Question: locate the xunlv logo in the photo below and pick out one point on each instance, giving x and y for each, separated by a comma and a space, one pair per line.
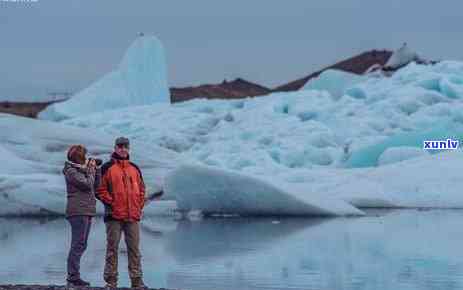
449, 144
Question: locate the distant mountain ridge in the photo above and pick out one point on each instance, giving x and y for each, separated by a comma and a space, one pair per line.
357, 65
241, 88
236, 89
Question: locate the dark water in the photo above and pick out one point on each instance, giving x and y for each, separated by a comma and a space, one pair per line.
386, 250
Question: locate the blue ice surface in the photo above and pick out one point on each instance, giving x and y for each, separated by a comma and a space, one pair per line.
140, 79
368, 156
334, 81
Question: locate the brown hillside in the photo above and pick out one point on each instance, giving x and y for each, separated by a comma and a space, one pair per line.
357, 64
236, 89
30, 110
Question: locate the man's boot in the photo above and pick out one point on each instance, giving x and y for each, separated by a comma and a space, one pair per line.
111, 284
75, 283
137, 283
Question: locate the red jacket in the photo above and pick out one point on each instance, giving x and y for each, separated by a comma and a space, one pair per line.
122, 189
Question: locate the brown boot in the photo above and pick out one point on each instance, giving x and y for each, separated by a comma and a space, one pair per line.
137, 283
111, 284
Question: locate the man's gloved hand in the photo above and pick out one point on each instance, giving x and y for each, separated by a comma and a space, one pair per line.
154, 196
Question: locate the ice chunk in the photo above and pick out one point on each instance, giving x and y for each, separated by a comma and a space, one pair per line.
215, 191
401, 153
369, 155
140, 80
401, 57
451, 87
425, 181
333, 81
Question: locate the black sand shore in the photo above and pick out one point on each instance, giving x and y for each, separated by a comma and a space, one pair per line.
58, 287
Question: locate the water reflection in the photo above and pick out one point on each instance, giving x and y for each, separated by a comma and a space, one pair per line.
216, 238
385, 250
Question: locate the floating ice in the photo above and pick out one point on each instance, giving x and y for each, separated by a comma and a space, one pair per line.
333, 81
214, 191
140, 80
331, 150
297, 130
369, 156
397, 154
402, 56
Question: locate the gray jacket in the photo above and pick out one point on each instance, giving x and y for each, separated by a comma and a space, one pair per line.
81, 185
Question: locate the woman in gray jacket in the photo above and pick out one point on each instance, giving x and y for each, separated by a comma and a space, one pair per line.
82, 177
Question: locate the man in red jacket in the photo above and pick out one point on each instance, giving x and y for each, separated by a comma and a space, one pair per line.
122, 191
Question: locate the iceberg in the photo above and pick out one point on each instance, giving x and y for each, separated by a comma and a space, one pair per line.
414, 182
33, 151
398, 154
430, 180
295, 153
371, 155
140, 79
403, 56
213, 191
335, 82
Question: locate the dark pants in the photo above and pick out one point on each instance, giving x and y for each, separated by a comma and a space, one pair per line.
114, 230
80, 227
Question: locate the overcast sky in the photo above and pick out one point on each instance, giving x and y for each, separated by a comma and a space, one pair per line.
51, 45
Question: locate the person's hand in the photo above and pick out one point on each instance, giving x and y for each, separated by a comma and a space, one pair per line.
91, 167
154, 196
92, 163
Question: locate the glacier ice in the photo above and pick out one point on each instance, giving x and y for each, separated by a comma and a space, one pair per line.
401, 56
335, 82
214, 191
337, 152
401, 153
140, 79
296, 130
370, 155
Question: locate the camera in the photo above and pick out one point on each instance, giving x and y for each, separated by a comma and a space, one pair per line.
98, 161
